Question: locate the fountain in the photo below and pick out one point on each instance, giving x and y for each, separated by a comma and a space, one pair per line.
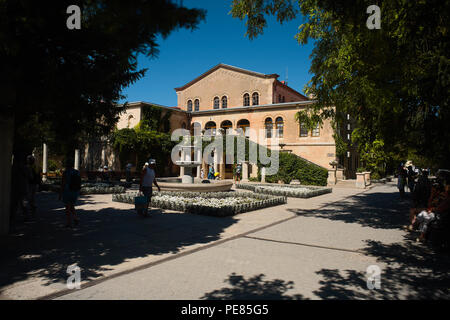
187, 181
187, 164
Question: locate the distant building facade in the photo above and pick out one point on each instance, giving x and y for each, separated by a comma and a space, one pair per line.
228, 97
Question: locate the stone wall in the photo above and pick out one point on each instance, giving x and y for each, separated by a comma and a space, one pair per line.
229, 83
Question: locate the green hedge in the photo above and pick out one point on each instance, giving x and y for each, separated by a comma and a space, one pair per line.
293, 167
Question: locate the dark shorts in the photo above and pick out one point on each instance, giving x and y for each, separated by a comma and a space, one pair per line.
70, 197
147, 191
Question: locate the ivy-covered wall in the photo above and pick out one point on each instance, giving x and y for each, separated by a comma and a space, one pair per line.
149, 139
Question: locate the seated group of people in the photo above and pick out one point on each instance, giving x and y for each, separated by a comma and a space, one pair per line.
431, 206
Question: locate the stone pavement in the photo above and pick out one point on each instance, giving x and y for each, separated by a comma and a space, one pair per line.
316, 248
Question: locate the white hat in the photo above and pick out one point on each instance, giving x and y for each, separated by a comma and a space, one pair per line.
146, 163
152, 161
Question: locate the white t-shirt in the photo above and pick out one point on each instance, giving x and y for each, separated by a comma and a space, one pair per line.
149, 176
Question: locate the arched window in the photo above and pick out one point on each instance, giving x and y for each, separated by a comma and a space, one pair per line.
211, 125
216, 102
268, 125
255, 98
189, 106
129, 120
224, 102
244, 124
196, 105
246, 99
279, 124
226, 125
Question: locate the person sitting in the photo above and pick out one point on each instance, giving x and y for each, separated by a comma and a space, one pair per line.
211, 173
423, 220
438, 205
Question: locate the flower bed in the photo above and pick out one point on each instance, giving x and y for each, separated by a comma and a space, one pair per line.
295, 191
89, 188
217, 204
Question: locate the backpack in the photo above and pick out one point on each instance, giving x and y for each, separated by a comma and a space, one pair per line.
75, 181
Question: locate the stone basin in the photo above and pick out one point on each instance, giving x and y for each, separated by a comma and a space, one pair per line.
175, 184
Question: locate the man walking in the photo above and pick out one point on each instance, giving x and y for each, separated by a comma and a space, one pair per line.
147, 180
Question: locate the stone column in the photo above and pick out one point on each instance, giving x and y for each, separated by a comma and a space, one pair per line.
216, 161
340, 174
77, 159
332, 176
360, 180
6, 141
103, 156
254, 171
245, 171
44, 162
222, 170
199, 159
263, 174
182, 159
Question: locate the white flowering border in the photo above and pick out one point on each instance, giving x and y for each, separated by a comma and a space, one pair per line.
91, 188
294, 191
219, 204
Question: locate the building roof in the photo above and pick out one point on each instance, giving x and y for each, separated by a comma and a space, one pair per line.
226, 66
257, 107
284, 85
141, 103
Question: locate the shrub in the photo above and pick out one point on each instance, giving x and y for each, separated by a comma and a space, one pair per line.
375, 176
293, 167
53, 165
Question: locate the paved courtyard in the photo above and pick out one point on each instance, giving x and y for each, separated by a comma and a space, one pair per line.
317, 248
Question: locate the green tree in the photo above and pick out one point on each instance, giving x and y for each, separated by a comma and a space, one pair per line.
394, 81
70, 81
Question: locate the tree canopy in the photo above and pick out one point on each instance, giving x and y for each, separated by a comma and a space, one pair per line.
60, 83
394, 81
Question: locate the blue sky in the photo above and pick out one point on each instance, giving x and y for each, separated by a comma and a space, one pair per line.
184, 55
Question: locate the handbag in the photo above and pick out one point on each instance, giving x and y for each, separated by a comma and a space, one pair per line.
140, 203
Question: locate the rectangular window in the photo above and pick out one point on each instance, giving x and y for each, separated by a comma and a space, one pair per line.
316, 131
303, 130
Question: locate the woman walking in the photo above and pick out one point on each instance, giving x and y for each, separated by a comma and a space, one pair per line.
70, 190
401, 179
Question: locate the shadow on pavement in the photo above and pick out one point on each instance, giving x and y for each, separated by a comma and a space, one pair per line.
254, 288
105, 237
378, 210
412, 272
